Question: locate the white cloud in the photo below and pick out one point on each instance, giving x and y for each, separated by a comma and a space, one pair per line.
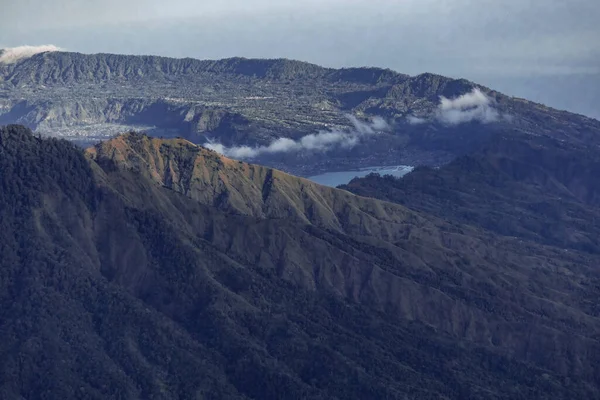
475, 98
473, 106
415, 120
14, 54
321, 141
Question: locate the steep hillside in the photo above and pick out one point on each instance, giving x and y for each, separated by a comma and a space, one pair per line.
536, 188
253, 190
118, 282
265, 193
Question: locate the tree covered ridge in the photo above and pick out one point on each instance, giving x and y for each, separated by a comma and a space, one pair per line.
31, 165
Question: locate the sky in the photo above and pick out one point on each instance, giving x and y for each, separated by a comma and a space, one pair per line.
544, 50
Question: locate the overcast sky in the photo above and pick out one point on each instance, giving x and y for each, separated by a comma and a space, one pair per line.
546, 50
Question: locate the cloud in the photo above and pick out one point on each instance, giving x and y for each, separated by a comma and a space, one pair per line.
14, 54
473, 106
415, 120
321, 141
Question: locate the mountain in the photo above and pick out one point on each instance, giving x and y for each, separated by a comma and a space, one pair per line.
154, 268
535, 188
253, 190
191, 96
250, 102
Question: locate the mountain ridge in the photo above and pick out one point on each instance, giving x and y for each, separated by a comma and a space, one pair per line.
238, 187
252, 102
134, 289
129, 66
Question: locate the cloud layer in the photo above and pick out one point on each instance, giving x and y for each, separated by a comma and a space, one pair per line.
14, 54
321, 141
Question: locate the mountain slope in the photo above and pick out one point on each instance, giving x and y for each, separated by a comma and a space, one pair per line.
248, 102
248, 189
532, 187
115, 286
430, 239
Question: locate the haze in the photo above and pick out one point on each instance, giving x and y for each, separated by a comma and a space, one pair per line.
544, 50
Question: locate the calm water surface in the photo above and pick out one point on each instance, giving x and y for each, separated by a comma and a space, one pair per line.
342, 177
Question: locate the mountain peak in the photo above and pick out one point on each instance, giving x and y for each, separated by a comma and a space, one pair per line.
164, 160
127, 145
242, 188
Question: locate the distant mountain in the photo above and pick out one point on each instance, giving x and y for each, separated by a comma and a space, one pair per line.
61, 68
153, 268
249, 102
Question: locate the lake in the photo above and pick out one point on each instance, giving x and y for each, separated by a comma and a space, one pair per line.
342, 177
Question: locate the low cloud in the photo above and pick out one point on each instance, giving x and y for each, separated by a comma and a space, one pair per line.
472, 106
415, 120
321, 141
12, 55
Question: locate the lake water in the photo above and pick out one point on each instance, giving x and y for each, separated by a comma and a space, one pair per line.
340, 178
